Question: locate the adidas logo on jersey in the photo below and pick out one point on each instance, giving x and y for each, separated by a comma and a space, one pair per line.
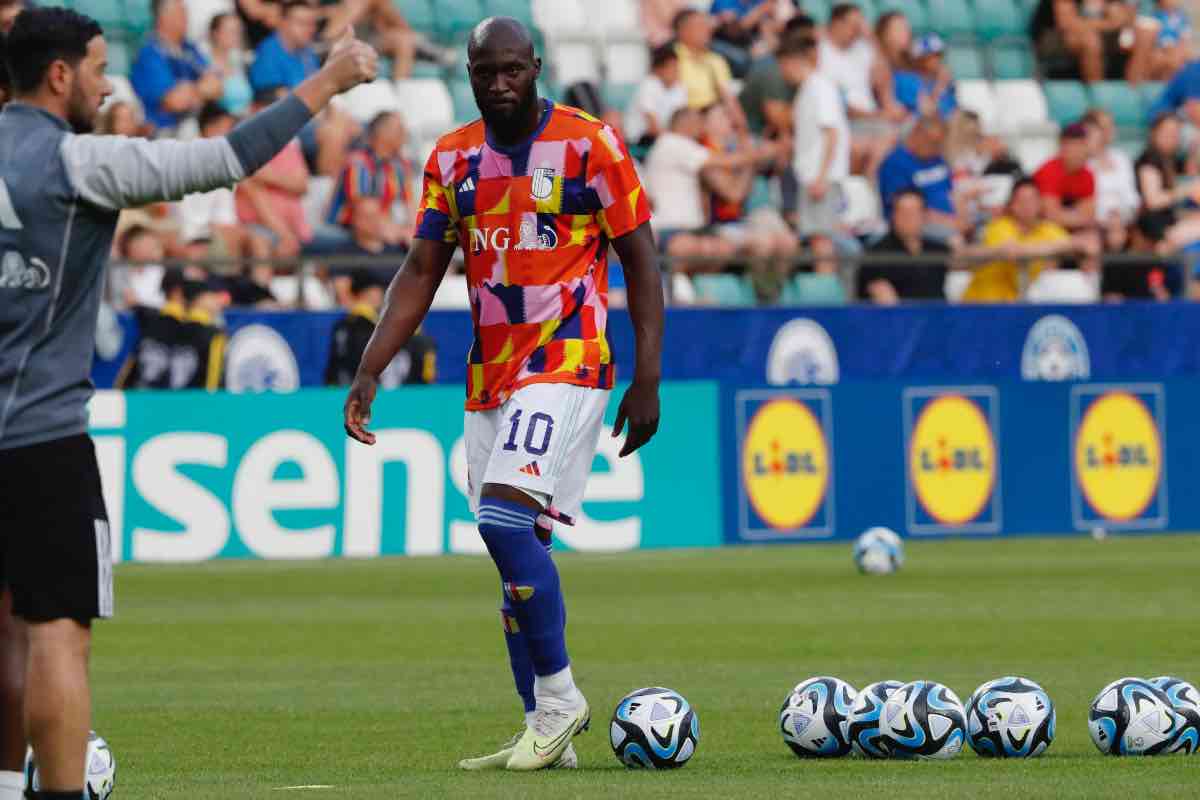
467, 186
532, 469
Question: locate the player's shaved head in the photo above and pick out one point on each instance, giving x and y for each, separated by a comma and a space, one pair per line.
503, 71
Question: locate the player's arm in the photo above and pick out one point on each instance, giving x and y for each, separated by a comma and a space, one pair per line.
643, 281
404, 306
116, 172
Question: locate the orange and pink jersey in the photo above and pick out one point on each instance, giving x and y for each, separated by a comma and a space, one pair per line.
534, 222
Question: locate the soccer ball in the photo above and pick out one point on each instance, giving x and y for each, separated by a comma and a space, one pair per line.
1132, 717
862, 724
1010, 718
100, 775
879, 551
813, 718
924, 720
654, 728
1186, 702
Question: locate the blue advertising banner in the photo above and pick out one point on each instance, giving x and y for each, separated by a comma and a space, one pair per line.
934, 343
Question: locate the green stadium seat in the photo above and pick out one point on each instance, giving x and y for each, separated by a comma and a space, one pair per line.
869, 9
1066, 100
1121, 100
139, 17
1150, 92
109, 13
1012, 61
999, 19
517, 9
424, 69
965, 62
723, 290
817, 9
952, 19
418, 13
465, 109
913, 10
619, 95
456, 18
119, 58
818, 289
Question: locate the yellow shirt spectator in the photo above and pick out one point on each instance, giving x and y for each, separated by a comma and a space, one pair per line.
704, 74
999, 281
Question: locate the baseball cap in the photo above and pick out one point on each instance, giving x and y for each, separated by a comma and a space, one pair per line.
927, 45
1076, 130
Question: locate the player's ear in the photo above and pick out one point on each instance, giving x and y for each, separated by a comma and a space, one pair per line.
537, 68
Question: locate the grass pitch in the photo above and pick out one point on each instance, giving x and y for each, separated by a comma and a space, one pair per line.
232, 680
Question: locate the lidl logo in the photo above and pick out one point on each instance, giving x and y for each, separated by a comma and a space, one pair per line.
785, 464
1118, 456
953, 462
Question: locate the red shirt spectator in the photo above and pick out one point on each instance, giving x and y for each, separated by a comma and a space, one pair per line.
1067, 186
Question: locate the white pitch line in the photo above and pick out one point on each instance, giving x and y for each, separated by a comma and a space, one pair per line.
304, 788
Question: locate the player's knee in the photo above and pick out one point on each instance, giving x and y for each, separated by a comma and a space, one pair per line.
60, 639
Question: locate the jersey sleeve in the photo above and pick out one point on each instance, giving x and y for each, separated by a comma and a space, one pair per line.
437, 216
611, 175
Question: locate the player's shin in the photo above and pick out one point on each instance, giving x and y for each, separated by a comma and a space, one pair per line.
518, 654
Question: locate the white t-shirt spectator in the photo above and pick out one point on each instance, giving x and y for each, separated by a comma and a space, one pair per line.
673, 177
1116, 186
850, 70
197, 213
653, 97
819, 106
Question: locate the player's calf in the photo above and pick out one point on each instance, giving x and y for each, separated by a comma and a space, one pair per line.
58, 705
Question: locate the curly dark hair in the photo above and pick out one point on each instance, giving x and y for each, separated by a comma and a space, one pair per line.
41, 36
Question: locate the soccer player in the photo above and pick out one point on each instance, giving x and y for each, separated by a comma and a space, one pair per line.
60, 193
533, 193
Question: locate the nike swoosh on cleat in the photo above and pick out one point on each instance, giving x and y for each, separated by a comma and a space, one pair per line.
542, 752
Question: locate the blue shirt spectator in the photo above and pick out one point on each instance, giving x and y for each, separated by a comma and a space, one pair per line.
917, 164
1174, 26
1182, 89
739, 7
170, 75
287, 57
928, 82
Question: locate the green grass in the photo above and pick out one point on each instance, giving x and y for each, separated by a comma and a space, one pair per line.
228, 680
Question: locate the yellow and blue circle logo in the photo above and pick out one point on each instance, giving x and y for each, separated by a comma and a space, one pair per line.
952, 461
786, 465
1118, 456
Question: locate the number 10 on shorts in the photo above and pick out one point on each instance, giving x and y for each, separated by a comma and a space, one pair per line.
538, 427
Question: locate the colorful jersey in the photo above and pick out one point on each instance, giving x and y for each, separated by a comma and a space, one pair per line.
366, 175
534, 222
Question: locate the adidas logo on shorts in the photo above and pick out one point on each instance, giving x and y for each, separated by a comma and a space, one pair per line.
532, 469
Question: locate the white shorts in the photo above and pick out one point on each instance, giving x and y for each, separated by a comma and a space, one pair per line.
542, 440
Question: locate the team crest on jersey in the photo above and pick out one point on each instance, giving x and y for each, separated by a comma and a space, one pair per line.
543, 183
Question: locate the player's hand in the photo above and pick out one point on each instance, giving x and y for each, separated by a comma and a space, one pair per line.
357, 411
351, 62
639, 407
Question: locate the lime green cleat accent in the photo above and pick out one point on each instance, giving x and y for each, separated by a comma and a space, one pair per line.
498, 760
548, 737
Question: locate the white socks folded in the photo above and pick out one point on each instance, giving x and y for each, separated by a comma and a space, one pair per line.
12, 786
557, 690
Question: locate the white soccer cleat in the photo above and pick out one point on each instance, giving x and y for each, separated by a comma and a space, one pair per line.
568, 760
547, 738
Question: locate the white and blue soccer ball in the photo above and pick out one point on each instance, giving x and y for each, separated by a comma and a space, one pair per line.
1185, 699
1132, 717
923, 720
100, 770
862, 724
879, 551
654, 728
1010, 718
813, 717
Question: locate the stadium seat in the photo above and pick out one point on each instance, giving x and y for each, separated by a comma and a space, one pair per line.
1120, 100
517, 9
1033, 151
423, 69
1021, 108
574, 61
427, 104
978, 96
615, 20
418, 14
864, 213
561, 19
965, 62
139, 17
1068, 100
365, 101
619, 95
723, 290
913, 10
999, 19
817, 9
456, 18
463, 99
1150, 92
199, 13
626, 62
952, 19
119, 57
819, 289
109, 13
1012, 61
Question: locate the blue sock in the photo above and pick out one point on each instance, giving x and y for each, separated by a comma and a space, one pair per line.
518, 654
529, 579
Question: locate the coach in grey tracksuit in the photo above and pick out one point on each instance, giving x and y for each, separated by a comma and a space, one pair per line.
60, 193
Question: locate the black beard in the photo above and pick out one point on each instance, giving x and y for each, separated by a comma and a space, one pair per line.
507, 125
79, 117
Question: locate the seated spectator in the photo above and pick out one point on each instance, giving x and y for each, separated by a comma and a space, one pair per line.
1166, 182
270, 199
287, 57
969, 154
1162, 44
740, 28
766, 98
703, 72
1086, 31
917, 163
678, 169
379, 172
139, 283
1180, 96
1022, 238
260, 18
1117, 198
226, 50
1067, 185
252, 288
170, 75
928, 88
120, 118
821, 138
658, 19
386, 29
658, 97
893, 44
887, 284
416, 363
181, 346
